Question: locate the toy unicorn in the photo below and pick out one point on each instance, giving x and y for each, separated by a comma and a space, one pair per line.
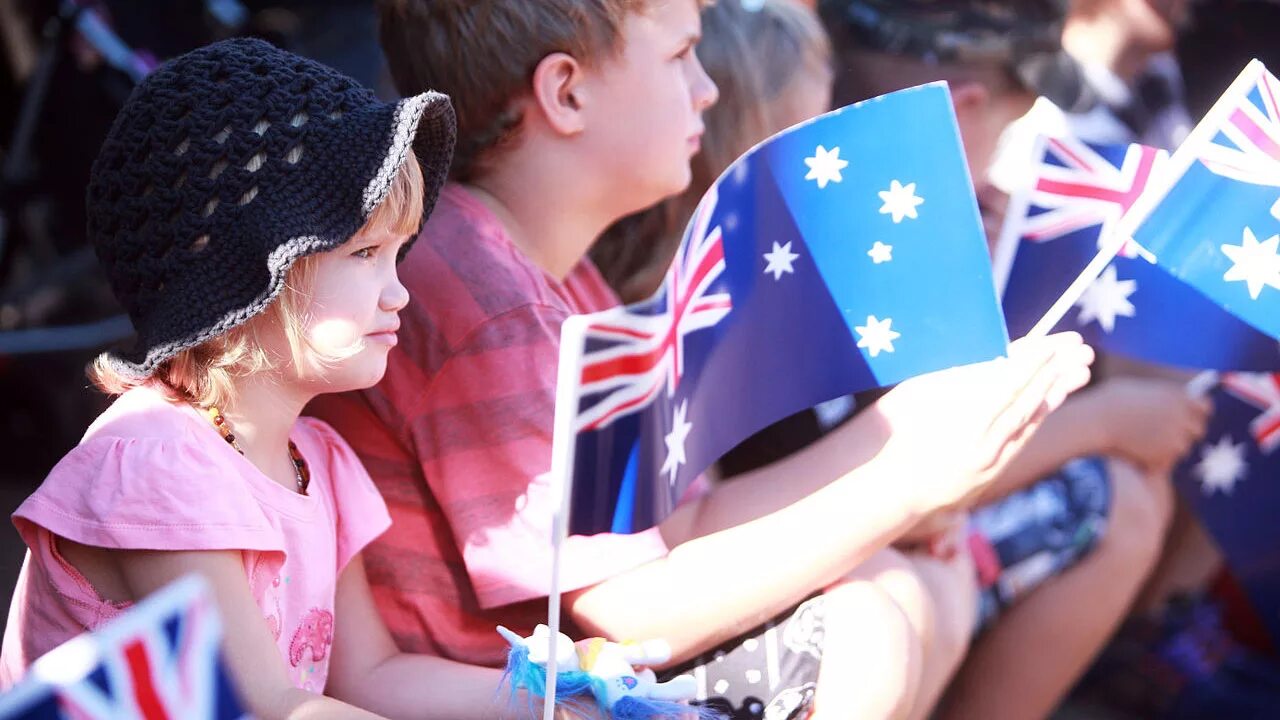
607, 671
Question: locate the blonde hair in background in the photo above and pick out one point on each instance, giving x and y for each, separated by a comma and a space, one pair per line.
205, 375
754, 50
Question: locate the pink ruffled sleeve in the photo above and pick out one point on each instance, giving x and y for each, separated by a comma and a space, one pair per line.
358, 506
149, 493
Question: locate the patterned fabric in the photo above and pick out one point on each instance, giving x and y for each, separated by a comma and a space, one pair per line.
1182, 665
458, 433
1033, 535
770, 673
154, 475
229, 163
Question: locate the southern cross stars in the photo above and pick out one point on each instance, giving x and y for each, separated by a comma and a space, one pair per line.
876, 335
1221, 466
675, 442
1106, 298
1256, 263
825, 166
880, 253
900, 201
780, 261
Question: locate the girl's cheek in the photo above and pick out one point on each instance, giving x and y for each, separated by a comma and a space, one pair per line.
333, 335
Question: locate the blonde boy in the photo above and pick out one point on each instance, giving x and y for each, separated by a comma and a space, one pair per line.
572, 114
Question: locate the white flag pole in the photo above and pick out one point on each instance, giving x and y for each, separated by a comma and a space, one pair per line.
1172, 171
1202, 383
572, 338
1110, 248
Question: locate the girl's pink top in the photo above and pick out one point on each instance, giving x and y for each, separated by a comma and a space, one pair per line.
151, 474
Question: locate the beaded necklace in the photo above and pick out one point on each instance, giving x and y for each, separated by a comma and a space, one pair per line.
302, 476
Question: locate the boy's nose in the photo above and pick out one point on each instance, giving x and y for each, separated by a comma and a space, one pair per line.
705, 92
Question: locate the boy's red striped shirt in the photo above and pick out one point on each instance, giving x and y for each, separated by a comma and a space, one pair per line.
457, 433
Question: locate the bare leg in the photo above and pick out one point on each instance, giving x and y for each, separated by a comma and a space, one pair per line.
954, 590
872, 658
1023, 665
1188, 565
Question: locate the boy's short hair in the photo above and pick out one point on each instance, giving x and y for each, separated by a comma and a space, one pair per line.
482, 54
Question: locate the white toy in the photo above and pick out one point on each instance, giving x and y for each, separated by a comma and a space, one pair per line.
608, 670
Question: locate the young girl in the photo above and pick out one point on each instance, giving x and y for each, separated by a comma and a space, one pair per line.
249, 207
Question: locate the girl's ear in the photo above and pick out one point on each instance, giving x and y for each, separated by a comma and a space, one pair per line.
558, 93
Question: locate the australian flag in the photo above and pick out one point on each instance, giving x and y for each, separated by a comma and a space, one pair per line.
1230, 480
1078, 194
161, 660
841, 255
1214, 219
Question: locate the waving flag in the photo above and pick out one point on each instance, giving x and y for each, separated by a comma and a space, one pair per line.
1231, 481
159, 661
1215, 220
841, 255
1078, 194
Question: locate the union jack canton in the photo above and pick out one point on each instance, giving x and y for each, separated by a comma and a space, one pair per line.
638, 350
161, 660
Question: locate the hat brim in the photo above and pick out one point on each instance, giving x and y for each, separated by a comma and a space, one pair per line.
424, 122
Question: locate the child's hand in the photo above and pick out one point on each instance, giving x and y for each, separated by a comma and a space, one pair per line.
954, 431
1151, 422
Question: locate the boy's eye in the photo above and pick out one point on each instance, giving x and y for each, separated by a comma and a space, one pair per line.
365, 252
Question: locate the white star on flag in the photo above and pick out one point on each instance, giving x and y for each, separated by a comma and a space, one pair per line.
1275, 210
1221, 466
1256, 263
900, 201
675, 442
1107, 298
825, 166
876, 335
880, 253
780, 261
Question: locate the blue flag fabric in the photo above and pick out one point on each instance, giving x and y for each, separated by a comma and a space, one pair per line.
1232, 482
161, 660
1215, 220
841, 255
1054, 225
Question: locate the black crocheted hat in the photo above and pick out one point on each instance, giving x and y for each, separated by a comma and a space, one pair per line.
227, 164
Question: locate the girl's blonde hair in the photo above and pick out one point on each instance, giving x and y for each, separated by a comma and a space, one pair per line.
754, 56
205, 374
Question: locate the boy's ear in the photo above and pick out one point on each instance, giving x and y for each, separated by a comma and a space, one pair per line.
558, 92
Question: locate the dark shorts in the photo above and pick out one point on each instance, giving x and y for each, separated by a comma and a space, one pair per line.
1038, 533
770, 673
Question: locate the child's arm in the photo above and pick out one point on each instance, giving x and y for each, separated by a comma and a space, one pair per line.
253, 658
1150, 422
761, 543
367, 669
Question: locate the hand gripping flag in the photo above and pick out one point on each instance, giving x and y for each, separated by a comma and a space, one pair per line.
161, 660
1230, 480
1214, 221
841, 255
1077, 194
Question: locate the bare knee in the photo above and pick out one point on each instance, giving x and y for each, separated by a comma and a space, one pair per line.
1141, 511
872, 658
897, 576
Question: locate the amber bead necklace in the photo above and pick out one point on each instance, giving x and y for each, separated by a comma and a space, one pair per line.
302, 476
